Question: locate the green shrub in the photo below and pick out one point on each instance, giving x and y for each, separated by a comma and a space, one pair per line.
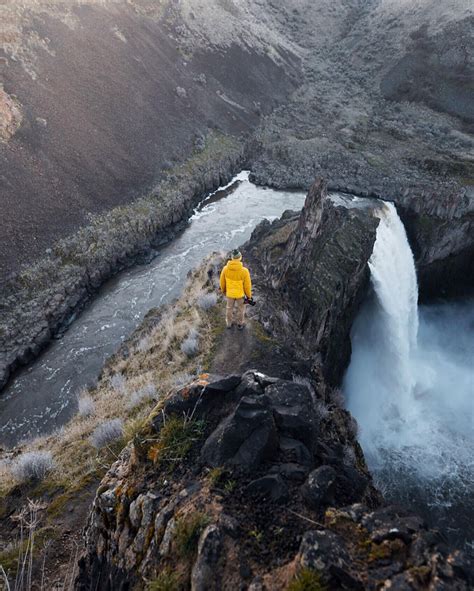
215, 476
307, 580
175, 440
167, 580
188, 530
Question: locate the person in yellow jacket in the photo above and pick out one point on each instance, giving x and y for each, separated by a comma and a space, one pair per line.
235, 285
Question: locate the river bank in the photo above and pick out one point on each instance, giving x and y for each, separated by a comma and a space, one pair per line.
41, 301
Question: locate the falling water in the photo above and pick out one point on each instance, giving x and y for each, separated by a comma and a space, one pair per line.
410, 386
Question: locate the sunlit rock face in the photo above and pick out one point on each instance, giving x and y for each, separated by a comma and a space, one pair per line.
10, 116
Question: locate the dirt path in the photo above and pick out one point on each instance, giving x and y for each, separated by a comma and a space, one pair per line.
254, 348
235, 350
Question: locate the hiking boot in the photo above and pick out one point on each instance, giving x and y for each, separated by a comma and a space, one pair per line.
240, 326
229, 326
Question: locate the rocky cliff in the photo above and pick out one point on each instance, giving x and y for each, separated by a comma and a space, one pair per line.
248, 481
251, 482
245, 473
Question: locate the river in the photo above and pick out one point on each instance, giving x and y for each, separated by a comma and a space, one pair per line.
43, 396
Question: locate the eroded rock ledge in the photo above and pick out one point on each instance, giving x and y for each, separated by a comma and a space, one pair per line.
273, 486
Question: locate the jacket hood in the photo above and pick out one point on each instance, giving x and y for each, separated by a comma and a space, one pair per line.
234, 264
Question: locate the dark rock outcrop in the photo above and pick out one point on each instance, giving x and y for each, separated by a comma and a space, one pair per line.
319, 487
246, 438
251, 521
437, 211
313, 274
440, 229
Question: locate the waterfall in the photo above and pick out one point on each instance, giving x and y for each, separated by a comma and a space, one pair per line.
381, 380
393, 276
410, 383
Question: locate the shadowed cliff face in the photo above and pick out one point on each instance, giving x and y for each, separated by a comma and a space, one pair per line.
437, 70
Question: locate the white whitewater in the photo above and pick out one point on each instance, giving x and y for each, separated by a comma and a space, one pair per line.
410, 383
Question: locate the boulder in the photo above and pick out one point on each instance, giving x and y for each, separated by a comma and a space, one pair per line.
270, 487
352, 483
249, 385
392, 522
293, 410
325, 552
205, 574
222, 385
296, 451
246, 438
291, 471
319, 487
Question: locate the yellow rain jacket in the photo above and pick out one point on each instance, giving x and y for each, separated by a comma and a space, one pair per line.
235, 280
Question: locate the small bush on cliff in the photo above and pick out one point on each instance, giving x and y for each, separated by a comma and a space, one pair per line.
307, 580
144, 394
107, 433
34, 465
86, 405
175, 440
188, 530
144, 344
190, 346
207, 301
118, 383
167, 580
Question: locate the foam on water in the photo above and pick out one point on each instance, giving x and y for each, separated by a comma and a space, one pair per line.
410, 384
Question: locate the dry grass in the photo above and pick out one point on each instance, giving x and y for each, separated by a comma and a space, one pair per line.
129, 387
33, 466
188, 530
86, 405
175, 440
